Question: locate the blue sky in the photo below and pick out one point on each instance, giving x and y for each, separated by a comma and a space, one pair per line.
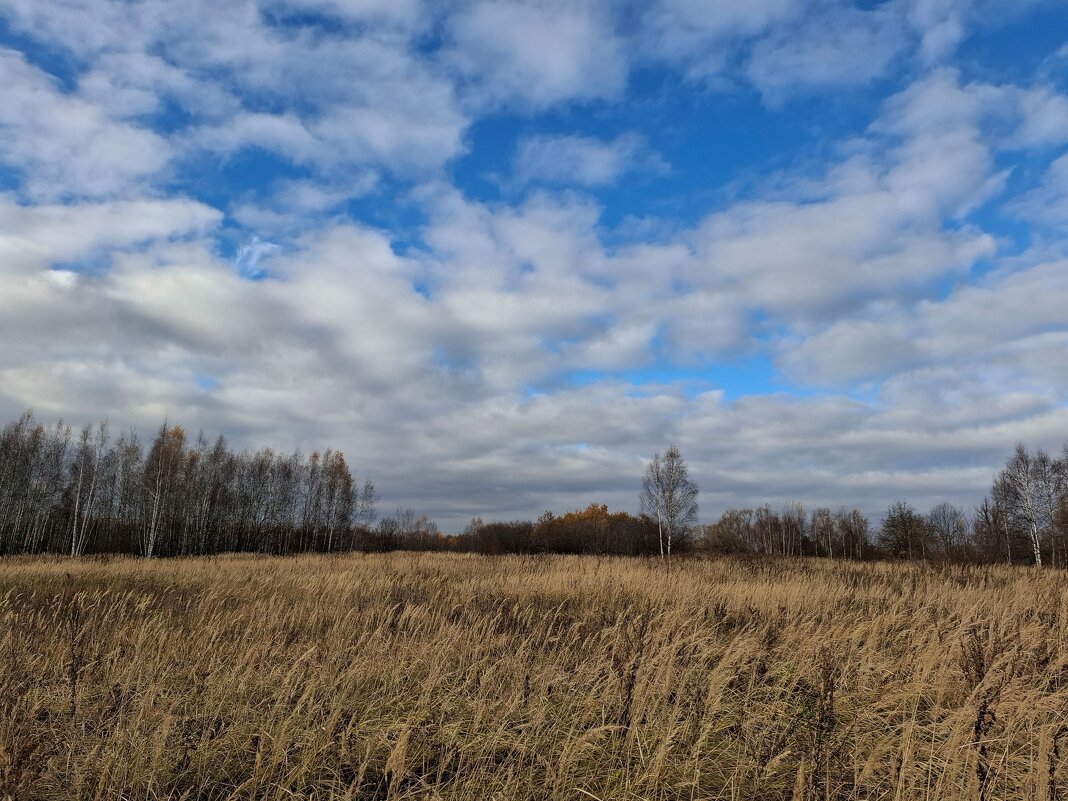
501, 251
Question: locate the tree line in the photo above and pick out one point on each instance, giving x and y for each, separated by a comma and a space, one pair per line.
1022, 520
92, 492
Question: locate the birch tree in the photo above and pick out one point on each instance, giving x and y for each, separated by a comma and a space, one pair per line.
87, 468
1020, 483
669, 497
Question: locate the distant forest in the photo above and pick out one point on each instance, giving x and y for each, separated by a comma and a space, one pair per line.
90, 493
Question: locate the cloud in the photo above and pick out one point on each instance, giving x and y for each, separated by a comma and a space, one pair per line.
401, 16
66, 146
64, 232
1043, 117
1013, 318
360, 96
782, 47
1047, 203
786, 48
250, 254
287, 207
702, 37
841, 49
536, 53
944, 24
583, 160
850, 351
941, 24
872, 228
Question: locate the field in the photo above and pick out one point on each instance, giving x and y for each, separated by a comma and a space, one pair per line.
464, 677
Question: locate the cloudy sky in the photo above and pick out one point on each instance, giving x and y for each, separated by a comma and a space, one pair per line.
501, 251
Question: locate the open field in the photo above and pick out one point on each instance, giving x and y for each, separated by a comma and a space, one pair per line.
465, 677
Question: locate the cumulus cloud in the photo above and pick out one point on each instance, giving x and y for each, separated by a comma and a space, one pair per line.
66, 146
362, 96
535, 53
1047, 203
703, 38
943, 24
789, 47
583, 160
842, 49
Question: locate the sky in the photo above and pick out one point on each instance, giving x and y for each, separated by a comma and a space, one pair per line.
500, 252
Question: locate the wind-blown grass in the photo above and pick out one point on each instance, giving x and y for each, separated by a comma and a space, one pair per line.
465, 677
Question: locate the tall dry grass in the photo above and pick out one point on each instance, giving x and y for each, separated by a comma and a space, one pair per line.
465, 677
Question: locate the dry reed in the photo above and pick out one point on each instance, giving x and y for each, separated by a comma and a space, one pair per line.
463, 677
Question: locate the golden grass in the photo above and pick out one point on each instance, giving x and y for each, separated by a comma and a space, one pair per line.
467, 677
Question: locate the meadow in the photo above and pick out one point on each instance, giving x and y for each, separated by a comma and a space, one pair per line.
446, 676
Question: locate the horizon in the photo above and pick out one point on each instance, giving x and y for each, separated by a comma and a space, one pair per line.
500, 253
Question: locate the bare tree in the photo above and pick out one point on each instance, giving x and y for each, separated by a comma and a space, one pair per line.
1050, 474
669, 497
904, 532
1020, 483
768, 529
793, 528
822, 529
949, 527
852, 527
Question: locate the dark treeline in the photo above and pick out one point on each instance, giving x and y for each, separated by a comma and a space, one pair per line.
593, 530
1023, 520
89, 492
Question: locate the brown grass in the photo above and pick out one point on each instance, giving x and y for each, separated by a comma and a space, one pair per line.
465, 677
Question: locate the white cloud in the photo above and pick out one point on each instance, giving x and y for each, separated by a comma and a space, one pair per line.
872, 228
583, 160
50, 233
404, 16
943, 24
64, 145
1044, 118
536, 53
362, 97
1047, 203
1011, 318
291, 205
702, 36
844, 48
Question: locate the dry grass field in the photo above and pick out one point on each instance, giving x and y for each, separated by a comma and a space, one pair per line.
464, 677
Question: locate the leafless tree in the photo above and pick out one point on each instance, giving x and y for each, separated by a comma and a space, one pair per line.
768, 529
852, 528
949, 527
793, 528
1020, 484
822, 530
669, 497
1052, 483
